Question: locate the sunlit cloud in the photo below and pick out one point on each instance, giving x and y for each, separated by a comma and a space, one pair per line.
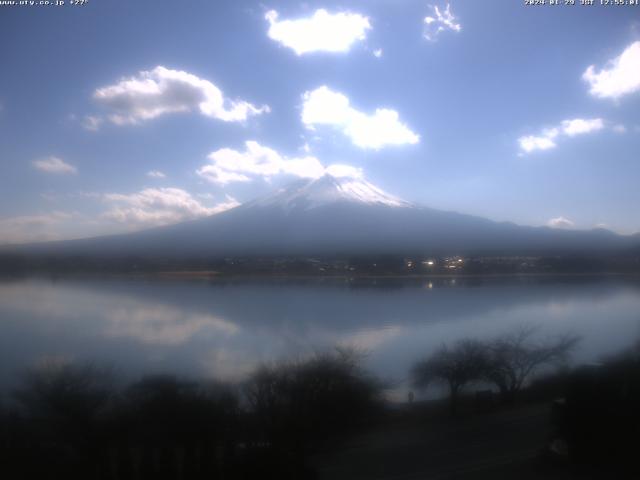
228, 165
321, 32
377, 53
568, 128
323, 106
580, 126
440, 21
259, 162
159, 206
156, 174
54, 165
560, 222
530, 143
160, 91
621, 75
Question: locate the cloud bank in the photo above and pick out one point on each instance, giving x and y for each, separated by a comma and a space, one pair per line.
228, 165
257, 161
159, 206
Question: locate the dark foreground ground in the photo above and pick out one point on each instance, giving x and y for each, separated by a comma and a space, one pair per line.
318, 418
415, 443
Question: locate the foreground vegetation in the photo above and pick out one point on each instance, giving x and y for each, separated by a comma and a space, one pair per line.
77, 421
74, 422
506, 362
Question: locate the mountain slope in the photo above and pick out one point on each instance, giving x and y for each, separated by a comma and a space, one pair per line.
329, 216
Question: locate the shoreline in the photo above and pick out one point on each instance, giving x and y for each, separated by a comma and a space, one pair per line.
219, 276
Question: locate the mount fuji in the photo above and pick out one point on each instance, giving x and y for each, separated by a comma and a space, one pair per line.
334, 215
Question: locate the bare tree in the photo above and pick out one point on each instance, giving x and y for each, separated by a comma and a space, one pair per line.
65, 391
312, 399
514, 357
455, 367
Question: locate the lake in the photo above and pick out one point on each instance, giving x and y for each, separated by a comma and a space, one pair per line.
224, 329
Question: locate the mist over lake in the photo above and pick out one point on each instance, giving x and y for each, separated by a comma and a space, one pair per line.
225, 329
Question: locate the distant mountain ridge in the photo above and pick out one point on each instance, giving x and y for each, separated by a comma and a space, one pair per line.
339, 216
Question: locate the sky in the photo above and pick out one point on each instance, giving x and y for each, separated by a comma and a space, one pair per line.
117, 116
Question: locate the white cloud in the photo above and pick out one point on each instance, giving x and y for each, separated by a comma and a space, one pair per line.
323, 106
440, 21
161, 90
530, 143
620, 77
568, 128
54, 165
146, 208
340, 170
257, 161
377, 53
159, 206
32, 228
322, 32
156, 174
619, 128
92, 123
579, 126
560, 222
228, 165
220, 176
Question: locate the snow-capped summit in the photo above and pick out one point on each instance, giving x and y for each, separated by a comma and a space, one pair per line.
329, 189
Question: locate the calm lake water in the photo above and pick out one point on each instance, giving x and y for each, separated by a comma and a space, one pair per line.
225, 329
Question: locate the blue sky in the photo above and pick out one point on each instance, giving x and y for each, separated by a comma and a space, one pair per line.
119, 115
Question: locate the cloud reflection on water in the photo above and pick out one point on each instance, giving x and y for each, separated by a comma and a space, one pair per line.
225, 330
